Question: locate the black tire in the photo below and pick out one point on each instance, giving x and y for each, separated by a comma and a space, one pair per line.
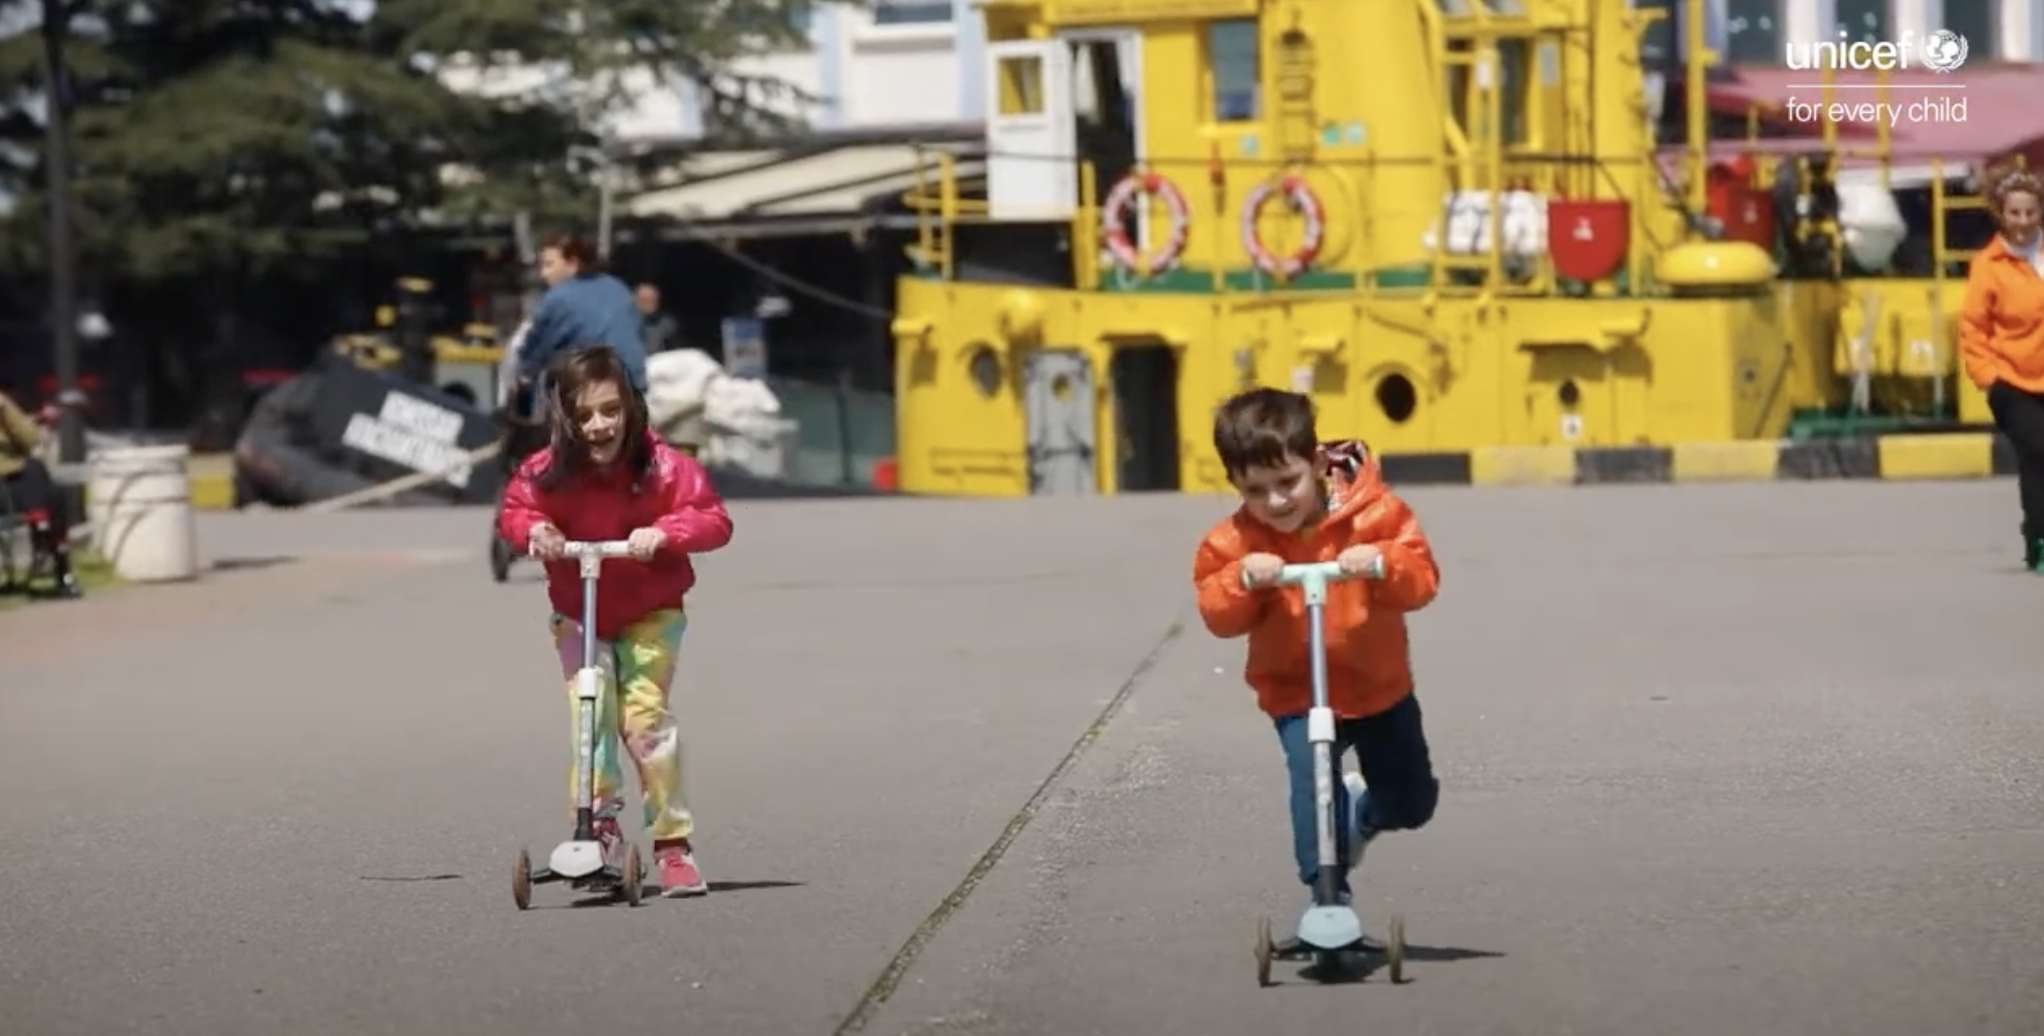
500, 559
633, 887
521, 881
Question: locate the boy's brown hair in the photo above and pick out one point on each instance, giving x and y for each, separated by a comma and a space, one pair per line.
1263, 428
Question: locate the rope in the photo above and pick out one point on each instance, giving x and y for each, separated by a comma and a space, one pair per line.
794, 284
403, 484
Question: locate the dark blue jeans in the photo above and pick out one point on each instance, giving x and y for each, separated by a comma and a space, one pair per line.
1391, 753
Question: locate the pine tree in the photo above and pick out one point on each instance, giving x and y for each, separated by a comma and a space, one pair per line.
214, 135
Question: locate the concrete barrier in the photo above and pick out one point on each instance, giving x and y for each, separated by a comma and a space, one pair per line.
1957, 455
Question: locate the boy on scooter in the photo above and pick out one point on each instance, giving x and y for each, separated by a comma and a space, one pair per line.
1305, 501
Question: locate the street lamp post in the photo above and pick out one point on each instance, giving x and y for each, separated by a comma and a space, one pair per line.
63, 301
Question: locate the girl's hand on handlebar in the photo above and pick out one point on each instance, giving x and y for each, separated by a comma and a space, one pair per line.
1359, 560
1262, 569
645, 543
547, 543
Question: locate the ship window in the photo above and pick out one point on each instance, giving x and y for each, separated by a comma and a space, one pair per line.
1864, 20
1980, 23
1737, 32
911, 12
1515, 67
1657, 44
1753, 31
1666, 42
1021, 85
1233, 54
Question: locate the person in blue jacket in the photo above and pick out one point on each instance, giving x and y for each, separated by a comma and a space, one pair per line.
583, 305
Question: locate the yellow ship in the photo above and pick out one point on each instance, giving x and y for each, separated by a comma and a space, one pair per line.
1447, 220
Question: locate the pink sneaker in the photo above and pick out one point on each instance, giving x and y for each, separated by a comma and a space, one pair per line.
679, 875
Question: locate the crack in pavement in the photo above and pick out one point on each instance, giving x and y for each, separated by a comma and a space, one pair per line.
904, 958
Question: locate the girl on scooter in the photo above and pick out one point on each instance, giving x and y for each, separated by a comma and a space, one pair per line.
606, 476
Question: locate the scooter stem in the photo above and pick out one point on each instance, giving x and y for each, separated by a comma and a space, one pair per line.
589, 559
587, 681
1320, 728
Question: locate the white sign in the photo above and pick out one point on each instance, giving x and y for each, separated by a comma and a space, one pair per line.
414, 433
745, 351
1940, 51
1571, 427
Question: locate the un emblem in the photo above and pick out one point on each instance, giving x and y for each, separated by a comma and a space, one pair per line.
1944, 51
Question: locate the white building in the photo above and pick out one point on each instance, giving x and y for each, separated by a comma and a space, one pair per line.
890, 64
889, 80
894, 63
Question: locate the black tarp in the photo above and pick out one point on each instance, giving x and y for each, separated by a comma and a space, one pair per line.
339, 428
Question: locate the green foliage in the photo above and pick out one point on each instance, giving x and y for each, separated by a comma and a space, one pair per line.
236, 135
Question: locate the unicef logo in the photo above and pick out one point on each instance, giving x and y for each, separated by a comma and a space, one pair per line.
1944, 51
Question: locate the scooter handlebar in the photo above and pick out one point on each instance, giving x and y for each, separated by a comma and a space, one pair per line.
1317, 573
590, 555
596, 549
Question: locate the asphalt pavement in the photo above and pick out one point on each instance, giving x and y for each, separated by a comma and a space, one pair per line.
1758, 758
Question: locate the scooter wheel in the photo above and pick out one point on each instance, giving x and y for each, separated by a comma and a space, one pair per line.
521, 881
500, 559
1264, 951
632, 883
1394, 949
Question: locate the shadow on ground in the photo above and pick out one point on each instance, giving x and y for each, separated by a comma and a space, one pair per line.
1361, 969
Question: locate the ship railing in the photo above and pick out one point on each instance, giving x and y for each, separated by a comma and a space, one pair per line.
1490, 233
939, 202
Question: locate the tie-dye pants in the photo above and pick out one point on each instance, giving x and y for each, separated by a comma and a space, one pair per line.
631, 709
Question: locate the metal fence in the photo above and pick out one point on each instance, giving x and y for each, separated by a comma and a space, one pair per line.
843, 432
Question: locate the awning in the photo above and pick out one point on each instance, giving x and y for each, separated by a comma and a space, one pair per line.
800, 192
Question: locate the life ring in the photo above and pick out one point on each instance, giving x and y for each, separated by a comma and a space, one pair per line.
1123, 201
1296, 191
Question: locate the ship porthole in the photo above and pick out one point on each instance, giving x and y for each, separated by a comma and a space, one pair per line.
985, 369
1397, 397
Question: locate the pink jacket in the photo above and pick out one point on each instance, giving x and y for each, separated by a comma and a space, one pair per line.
676, 497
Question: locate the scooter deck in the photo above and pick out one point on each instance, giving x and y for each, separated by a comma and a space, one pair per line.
607, 878
1296, 951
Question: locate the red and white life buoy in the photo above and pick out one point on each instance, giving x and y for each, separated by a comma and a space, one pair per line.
1124, 202
1300, 196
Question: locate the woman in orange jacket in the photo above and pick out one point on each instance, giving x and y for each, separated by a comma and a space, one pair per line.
2001, 337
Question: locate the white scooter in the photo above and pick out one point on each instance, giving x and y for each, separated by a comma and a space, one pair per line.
1330, 930
579, 860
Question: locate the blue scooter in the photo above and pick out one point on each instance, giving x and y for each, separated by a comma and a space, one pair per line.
1329, 931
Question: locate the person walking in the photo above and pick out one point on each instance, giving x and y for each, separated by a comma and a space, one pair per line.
2001, 339
583, 306
663, 332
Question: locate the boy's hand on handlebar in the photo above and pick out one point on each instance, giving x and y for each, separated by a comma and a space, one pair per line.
1262, 570
547, 543
645, 543
1360, 560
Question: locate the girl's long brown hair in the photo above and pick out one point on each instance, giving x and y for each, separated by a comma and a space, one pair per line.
567, 376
